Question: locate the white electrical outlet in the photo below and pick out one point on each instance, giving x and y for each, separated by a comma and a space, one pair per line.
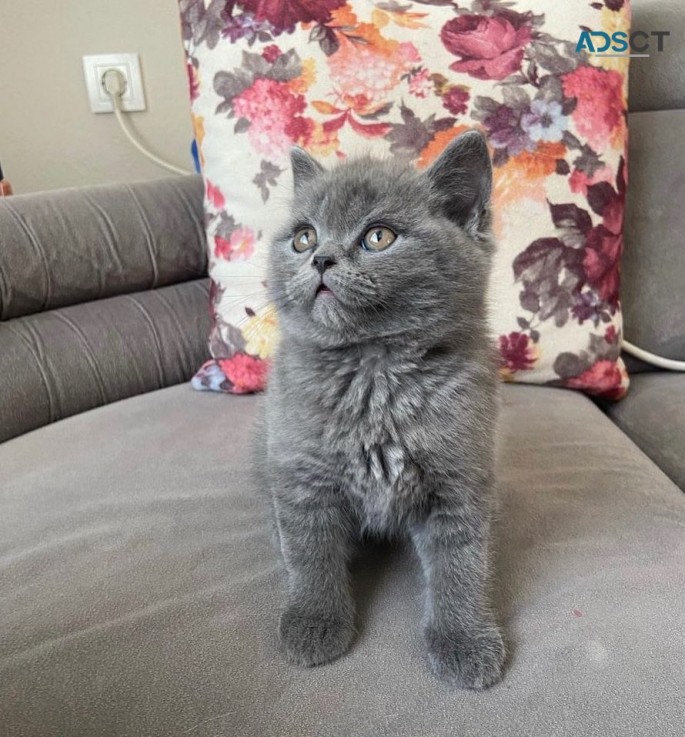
95, 65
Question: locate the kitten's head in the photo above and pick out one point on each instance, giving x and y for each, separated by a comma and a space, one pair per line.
378, 250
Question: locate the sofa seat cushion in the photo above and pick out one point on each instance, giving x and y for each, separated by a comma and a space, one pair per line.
140, 594
654, 418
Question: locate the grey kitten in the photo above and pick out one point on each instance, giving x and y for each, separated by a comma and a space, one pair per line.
381, 405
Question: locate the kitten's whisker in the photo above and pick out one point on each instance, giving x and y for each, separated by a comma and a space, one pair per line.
235, 298
261, 310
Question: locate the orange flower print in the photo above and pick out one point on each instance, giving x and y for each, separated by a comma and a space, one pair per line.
322, 141
367, 69
523, 176
437, 145
198, 123
365, 75
400, 15
539, 163
301, 84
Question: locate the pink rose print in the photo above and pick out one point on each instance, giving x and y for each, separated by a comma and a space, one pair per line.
604, 242
239, 245
193, 81
246, 373
517, 351
456, 100
283, 16
271, 53
420, 84
273, 111
599, 108
215, 196
602, 252
579, 181
602, 378
489, 47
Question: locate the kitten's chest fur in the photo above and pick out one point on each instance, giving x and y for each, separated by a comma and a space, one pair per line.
364, 418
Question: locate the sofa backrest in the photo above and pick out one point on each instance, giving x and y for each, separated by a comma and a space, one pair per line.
653, 266
103, 295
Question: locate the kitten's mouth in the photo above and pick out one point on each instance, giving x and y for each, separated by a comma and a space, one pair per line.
323, 289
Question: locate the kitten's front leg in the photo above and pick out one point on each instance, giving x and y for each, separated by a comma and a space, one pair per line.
317, 625
464, 644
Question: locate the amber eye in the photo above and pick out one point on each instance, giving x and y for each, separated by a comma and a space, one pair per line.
304, 239
377, 238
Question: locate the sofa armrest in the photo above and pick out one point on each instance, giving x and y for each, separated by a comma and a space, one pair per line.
62, 362
103, 295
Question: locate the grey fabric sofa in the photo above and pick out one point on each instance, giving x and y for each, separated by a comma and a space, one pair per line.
138, 589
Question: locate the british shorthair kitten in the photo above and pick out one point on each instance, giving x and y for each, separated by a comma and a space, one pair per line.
381, 406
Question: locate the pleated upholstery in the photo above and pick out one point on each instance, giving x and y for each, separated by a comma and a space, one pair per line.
58, 363
103, 295
76, 245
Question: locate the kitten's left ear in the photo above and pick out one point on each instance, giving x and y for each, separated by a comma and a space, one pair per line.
462, 178
304, 167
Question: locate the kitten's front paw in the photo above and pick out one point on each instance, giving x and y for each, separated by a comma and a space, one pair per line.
465, 661
309, 640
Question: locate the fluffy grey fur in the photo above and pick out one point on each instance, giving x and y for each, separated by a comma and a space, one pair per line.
381, 406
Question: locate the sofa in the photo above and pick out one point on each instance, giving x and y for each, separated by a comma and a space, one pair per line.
139, 592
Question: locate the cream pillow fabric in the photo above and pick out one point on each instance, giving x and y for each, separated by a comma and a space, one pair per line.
402, 79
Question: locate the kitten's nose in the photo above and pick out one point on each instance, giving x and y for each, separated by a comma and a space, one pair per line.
321, 263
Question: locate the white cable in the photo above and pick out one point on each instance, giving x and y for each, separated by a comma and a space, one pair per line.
665, 363
114, 82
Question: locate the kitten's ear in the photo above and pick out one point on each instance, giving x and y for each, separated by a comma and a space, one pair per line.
462, 178
304, 167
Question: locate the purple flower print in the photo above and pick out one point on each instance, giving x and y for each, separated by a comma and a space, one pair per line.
506, 132
544, 121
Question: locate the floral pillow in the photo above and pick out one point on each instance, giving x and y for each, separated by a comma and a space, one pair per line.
339, 77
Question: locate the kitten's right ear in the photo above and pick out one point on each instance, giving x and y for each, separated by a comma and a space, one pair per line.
304, 167
462, 178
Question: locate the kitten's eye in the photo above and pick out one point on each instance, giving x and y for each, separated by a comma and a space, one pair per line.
304, 239
377, 238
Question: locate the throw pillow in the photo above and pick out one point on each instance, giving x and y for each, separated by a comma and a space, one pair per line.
403, 78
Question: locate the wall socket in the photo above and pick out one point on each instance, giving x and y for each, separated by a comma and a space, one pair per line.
95, 65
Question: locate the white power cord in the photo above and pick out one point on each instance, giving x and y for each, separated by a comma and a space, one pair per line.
665, 363
114, 84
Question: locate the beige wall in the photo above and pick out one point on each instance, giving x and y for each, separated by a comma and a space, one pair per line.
48, 136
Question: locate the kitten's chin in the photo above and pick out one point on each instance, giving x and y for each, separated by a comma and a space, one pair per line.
327, 309
322, 320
